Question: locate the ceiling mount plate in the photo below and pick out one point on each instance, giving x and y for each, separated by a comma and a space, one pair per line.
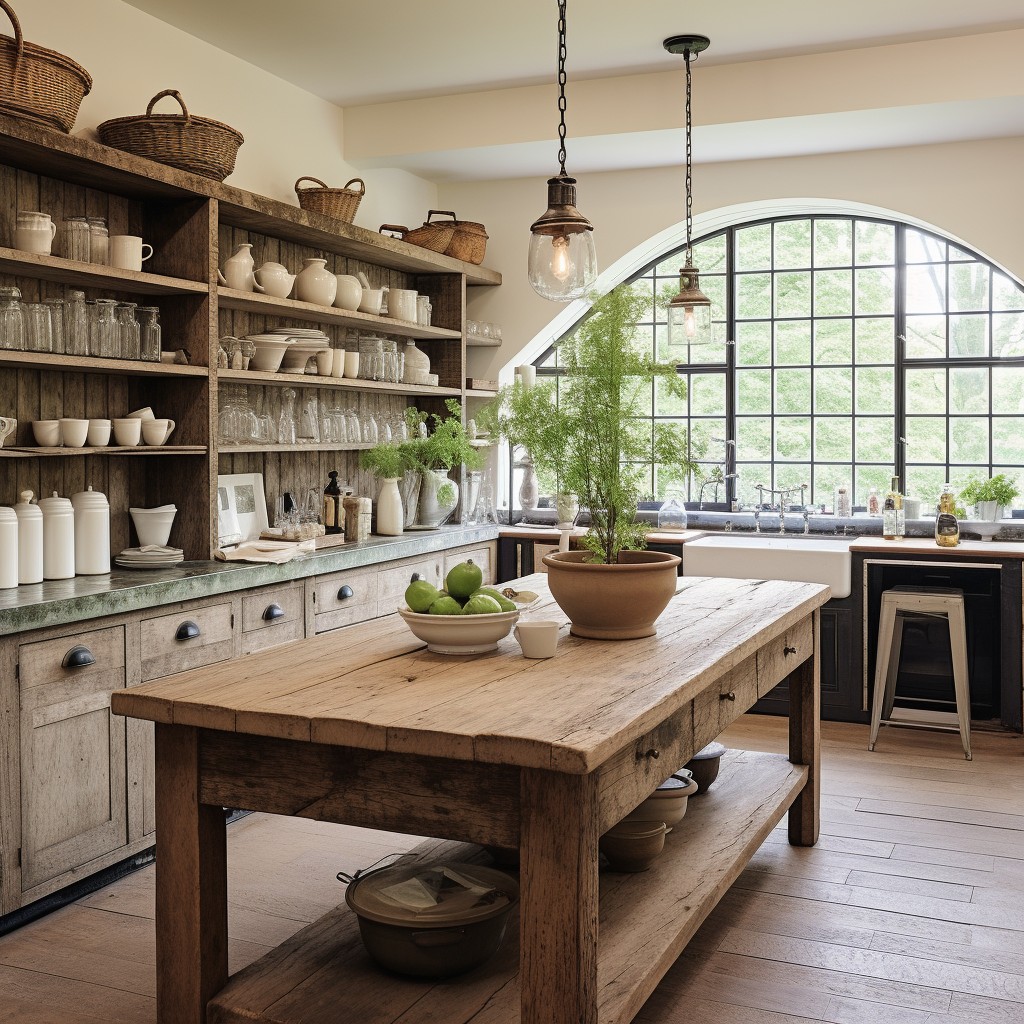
691, 44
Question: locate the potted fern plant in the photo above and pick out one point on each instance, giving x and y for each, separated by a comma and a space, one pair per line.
990, 497
595, 436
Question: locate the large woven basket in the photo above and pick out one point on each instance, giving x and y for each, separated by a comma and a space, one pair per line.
37, 84
339, 203
197, 144
461, 239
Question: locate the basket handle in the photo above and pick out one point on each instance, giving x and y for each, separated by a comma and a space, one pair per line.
305, 177
19, 39
160, 96
400, 228
353, 181
440, 213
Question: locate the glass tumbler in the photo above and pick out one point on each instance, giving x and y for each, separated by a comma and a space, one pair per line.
104, 335
56, 308
149, 333
99, 240
74, 239
38, 335
76, 325
12, 319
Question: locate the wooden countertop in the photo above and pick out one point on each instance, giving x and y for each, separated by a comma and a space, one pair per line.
927, 546
549, 535
375, 686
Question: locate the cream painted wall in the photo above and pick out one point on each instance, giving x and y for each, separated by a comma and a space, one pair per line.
968, 190
288, 132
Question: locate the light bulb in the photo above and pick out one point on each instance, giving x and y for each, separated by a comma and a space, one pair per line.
691, 323
561, 261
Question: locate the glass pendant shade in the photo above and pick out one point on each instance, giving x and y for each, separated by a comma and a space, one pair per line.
689, 312
562, 263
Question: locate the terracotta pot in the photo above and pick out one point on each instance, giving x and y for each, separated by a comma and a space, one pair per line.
612, 602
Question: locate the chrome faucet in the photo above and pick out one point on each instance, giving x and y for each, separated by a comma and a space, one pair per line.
782, 522
757, 519
807, 521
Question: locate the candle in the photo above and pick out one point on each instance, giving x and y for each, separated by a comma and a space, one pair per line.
527, 374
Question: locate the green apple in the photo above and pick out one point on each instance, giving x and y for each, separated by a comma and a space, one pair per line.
445, 605
420, 595
463, 579
481, 605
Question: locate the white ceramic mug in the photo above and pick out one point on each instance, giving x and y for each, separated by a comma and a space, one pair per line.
402, 304
351, 364
34, 232
145, 413
74, 432
538, 638
127, 431
99, 433
46, 433
324, 362
155, 432
126, 252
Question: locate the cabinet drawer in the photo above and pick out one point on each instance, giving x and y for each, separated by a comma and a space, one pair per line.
187, 639
721, 704
272, 616
481, 556
43, 662
393, 582
776, 660
343, 598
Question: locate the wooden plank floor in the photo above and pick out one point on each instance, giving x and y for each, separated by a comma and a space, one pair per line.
909, 910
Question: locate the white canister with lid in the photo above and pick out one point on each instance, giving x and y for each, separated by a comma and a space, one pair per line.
8, 548
58, 538
30, 539
92, 532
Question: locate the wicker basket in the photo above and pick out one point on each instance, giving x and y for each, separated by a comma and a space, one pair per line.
197, 144
339, 203
39, 85
461, 239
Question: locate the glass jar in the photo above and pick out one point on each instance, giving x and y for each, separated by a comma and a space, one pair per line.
389, 361
149, 333
128, 341
38, 336
76, 325
99, 240
57, 340
12, 319
74, 239
104, 335
371, 357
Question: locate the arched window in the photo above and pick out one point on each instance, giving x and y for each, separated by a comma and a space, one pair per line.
849, 348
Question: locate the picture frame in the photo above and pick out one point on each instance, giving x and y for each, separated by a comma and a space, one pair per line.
241, 508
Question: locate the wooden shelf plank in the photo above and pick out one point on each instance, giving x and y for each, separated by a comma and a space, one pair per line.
93, 364
166, 449
645, 921
93, 275
248, 449
475, 341
479, 393
310, 312
311, 380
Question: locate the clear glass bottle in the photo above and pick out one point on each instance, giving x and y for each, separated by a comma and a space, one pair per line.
103, 329
893, 524
947, 529
150, 333
128, 337
57, 340
873, 508
287, 426
12, 319
76, 325
75, 239
99, 240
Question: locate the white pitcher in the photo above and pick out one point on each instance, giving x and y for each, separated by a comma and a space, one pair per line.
237, 271
316, 283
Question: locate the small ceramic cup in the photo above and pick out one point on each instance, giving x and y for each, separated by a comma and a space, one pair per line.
155, 432
324, 362
74, 432
128, 431
351, 364
538, 638
46, 433
99, 433
141, 414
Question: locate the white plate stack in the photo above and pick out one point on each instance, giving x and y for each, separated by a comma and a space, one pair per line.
149, 556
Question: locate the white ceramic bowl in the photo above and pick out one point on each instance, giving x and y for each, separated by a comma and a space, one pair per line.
297, 354
269, 353
460, 634
153, 525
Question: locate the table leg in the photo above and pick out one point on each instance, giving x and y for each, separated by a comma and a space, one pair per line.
191, 884
805, 743
558, 898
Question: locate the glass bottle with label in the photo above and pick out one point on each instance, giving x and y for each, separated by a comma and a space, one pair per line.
334, 516
947, 529
893, 524
873, 502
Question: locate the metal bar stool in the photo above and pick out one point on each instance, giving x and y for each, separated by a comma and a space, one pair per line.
947, 603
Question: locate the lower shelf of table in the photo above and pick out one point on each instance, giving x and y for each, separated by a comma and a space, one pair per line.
646, 920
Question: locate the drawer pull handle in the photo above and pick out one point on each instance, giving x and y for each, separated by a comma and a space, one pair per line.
648, 755
345, 593
79, 657
272, 612
731, 695
188, 630
789, 650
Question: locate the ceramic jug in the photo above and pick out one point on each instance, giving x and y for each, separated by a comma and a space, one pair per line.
316, 283
237, 271
274, 279
34, 232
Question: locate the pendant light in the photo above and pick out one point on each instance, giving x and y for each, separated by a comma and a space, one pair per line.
563, 259
689, 312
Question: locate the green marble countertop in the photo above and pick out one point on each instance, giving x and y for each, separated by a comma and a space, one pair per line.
58, 602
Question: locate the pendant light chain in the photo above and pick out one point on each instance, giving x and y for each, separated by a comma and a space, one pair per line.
561, 85
689, 163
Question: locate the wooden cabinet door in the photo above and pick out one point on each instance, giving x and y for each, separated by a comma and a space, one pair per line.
73, 790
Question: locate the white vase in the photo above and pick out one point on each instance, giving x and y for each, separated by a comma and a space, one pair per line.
989, 511
438, 497
568, 507
390, 516
315, 283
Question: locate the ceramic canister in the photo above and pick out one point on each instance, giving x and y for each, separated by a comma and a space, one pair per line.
8, 548
58, 538
92, 532
30, 539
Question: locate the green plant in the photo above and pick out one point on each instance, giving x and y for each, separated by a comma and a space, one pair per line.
590, 430
385, 460
999, 488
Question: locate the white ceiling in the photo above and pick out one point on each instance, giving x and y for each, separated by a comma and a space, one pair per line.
354, 54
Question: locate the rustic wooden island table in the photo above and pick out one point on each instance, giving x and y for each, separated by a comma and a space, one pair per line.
365, 726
